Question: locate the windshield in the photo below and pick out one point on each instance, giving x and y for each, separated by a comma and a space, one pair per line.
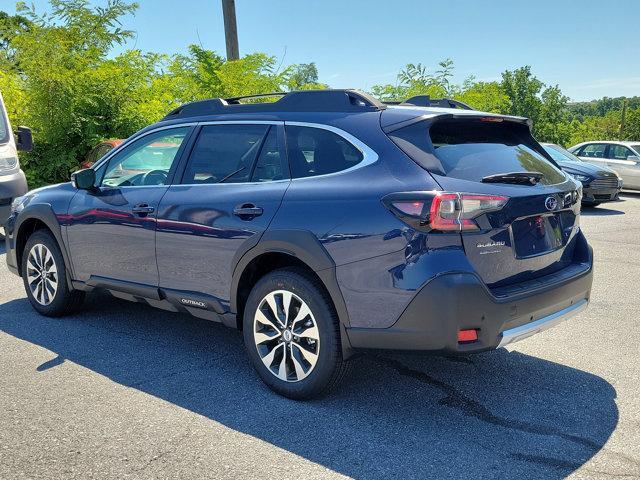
4, 129
559, 154
636, 147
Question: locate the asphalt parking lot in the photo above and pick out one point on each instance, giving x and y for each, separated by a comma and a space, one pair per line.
125, 391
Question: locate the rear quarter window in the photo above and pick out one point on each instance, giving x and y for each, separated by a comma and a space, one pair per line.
473, 149
314, 151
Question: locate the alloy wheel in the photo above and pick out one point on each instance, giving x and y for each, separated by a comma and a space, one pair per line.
286, 335
42, 274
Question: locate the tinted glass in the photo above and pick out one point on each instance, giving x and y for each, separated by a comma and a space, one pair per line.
559, 154
619, 152
102, 150
147, 161
472, 150
224, 153
315, 151
593, 150
270, 166
636, 147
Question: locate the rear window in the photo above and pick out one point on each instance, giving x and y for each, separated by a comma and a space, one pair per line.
473, 149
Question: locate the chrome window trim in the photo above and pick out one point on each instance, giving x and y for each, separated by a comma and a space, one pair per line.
369, 156
243, 122
136, 137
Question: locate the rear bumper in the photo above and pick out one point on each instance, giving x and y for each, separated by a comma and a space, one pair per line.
460, 301
516, 334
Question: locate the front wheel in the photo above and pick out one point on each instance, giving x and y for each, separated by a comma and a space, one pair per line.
292, 335
45, 277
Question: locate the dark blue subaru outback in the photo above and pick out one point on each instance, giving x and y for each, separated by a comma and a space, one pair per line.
319, 224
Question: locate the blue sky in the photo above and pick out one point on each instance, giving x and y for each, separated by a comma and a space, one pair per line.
590, 48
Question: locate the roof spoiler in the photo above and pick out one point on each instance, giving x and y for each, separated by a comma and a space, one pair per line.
432, 117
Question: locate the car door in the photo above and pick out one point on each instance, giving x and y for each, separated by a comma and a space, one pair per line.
629, 170
111, 229
593, 153
231, 186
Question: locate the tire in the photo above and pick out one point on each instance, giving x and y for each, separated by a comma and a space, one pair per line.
309, 373
56, 299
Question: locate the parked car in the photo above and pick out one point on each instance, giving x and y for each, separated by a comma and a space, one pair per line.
13, 182
320, 224
599, 183
623, 157
100, 151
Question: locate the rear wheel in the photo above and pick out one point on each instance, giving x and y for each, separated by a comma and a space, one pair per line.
292, 336
45, 277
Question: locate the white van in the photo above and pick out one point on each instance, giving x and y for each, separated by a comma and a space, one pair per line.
12, 180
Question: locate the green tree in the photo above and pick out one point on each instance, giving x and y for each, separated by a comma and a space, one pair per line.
522, 89
303, 76
553, 121
60, 77
483, 96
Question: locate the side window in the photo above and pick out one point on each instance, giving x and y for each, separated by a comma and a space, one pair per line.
270, 166
315, 151
146, 161
619, 152
102, 150
593, 150
224, 153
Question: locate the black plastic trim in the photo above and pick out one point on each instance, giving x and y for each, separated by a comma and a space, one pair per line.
44, 213
300, 244
328, 100
435, 315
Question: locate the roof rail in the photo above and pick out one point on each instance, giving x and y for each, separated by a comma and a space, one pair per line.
426, 101
328, 100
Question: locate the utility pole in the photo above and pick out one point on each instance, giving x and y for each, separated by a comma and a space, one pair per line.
623, 119
230, 29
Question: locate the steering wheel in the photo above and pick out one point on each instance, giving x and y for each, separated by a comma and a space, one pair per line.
154, 177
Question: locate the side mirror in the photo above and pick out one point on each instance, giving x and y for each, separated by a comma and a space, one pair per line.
84, 179
633, 158
25, 139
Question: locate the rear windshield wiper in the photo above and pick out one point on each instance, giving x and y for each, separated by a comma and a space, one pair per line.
517, 178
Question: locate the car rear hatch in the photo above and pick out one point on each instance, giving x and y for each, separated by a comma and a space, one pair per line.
516, 211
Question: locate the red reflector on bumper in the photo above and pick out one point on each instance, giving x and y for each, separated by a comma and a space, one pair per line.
467, 336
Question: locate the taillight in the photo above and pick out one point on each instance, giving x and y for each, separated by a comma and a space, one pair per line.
444, 211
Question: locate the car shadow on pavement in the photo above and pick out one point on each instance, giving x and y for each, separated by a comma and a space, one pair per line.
493, 415
600, 211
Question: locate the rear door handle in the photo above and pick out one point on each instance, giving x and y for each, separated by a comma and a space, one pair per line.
143, 209
247, 211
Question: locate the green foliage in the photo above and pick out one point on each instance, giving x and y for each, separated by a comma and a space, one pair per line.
303, 77
415, 79
521, 93
57, 76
